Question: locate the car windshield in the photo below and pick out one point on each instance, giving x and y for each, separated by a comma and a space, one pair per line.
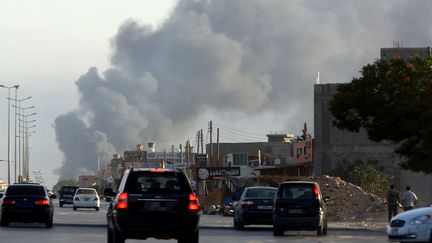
25, 190
261, 192
297, 191
86, 191
157, 182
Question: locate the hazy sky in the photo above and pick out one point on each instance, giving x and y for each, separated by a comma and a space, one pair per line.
45, 46
105, 75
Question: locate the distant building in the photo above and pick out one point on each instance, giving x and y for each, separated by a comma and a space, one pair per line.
87, 181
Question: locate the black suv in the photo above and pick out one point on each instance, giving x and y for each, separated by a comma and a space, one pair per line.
299, 205
156, 203
26, 203
66, 195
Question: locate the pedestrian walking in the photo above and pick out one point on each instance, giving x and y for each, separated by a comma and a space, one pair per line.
409, 199
393, 201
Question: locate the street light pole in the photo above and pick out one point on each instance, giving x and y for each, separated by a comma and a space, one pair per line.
18, 108
16, 90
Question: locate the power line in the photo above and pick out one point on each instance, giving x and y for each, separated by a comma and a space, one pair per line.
238, 130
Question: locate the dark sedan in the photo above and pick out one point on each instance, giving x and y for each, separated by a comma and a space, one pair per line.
26, 203
254, 207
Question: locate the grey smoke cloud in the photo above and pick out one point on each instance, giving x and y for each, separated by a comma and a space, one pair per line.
243, 56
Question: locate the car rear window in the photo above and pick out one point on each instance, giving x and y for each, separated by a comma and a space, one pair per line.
157, 182
261, 192
297, 191
25, 190
86, 191
69, 189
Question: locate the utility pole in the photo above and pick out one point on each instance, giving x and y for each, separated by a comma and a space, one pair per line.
202, 142
217, 147
211, 141
198, 141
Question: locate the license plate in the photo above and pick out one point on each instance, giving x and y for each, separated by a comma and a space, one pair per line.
265, 207
394, 231
295, 211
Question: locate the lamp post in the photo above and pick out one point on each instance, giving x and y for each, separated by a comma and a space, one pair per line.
24, 156
23, 128
18, 113
9, 99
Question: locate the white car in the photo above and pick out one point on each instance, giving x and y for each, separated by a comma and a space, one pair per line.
411, 226
86, 198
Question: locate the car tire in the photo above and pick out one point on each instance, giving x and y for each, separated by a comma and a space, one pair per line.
320, 230
4, 222
97, 208
238, 225
74, 208
61, 205
277, 231
191, 238
325, 230
115, 236
49, 223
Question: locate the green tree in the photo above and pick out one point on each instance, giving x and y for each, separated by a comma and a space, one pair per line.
391, 100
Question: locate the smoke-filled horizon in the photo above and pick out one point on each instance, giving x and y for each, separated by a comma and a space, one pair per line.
241, 56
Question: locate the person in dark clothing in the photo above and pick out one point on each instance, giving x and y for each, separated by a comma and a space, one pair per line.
393, 201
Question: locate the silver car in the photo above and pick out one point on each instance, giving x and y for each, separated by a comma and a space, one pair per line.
411, 226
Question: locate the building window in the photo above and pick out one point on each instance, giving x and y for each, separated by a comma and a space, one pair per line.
240, 159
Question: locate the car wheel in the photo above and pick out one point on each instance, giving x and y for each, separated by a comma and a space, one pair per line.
117, 237
109, 236
320, 230
4, 222
61, 205
277, 231
97, 208
192, 238
325, 231
74, 208
49, 223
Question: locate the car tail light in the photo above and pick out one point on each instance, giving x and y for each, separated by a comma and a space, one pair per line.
42, 202
122, 201
8, 201
316, 191
158, 170
247, 203
95, 199
193, 203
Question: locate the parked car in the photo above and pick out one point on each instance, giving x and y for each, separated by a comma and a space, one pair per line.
66, 195
299, 205
154, 203
26, 203
255, 206
86, 198
411, 226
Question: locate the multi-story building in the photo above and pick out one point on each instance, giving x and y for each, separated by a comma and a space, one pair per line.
333, 145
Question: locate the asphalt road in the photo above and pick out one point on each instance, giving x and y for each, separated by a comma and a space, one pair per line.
88, 225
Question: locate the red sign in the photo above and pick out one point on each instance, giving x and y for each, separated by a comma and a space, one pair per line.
303, 151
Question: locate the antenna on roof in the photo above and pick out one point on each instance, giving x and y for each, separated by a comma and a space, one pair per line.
318, 78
